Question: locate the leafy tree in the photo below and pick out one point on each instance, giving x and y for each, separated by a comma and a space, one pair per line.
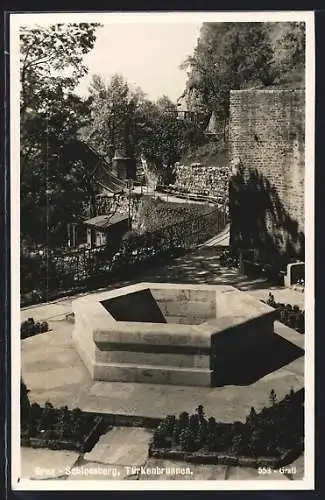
229, 56
115, 121
123, 120
164, 138
53, 187
51, 58
289, 55
51, 115
244, 55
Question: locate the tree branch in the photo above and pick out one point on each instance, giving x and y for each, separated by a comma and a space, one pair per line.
38, 61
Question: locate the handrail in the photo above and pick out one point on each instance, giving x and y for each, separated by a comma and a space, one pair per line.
189, 195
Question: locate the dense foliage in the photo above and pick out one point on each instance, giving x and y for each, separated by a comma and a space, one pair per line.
123, 120
290, 315
274, 430
53, 188
114, 110
60, 428
234, 56
29, 328
56, 183
229, 259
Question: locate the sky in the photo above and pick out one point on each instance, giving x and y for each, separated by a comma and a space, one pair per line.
148, 55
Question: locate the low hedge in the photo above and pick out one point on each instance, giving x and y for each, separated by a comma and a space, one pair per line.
275, 436
29, 328
289, 315
61, 429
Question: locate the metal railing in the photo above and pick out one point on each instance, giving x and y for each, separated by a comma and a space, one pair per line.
47, 275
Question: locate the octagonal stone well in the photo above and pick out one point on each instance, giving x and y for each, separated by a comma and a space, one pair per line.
176, 334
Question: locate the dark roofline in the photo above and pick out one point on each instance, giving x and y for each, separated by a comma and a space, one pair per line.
99, 222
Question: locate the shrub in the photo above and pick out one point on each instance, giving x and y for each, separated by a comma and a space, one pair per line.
55, 428
270, 300
229, 259
289, 315
275, 429
160, 438
237, 443
29, 328
187, 439
129, 235
251, 417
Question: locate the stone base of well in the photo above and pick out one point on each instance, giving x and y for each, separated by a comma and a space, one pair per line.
176, 334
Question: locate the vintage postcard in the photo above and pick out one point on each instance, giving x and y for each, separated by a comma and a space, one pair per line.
162, 179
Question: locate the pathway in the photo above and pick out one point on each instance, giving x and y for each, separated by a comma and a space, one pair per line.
200, 266
219, 240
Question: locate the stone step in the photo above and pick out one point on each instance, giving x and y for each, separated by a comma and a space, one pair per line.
159, 374
140, 358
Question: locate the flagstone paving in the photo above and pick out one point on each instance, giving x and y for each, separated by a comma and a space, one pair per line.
41, 463
121, 446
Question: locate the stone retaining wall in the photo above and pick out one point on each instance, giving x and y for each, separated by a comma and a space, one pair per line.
267, 141
206, 180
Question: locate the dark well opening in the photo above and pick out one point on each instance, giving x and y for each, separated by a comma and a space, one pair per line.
137, 306
163, 306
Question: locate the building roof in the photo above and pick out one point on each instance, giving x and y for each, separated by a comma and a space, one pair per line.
105, 221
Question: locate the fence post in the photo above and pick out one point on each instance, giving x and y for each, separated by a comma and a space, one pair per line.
77, 268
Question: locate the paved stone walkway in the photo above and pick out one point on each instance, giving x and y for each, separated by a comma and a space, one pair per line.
200, 266
221, 239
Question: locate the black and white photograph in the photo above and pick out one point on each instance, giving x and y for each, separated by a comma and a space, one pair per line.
162, 238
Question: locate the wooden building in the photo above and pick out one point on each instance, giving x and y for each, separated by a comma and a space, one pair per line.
106, 229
